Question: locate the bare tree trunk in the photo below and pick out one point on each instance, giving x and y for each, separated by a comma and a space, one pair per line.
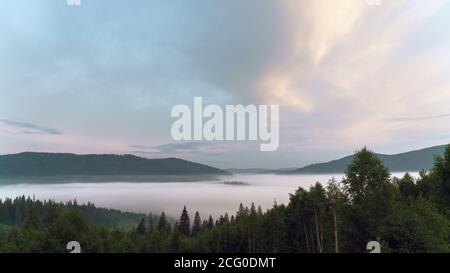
306, 237
254, 242
336, 243
274, 242
249, 241
319, 245
321, 234
313, 244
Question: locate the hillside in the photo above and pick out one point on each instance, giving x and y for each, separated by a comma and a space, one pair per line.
37, 164
409, 161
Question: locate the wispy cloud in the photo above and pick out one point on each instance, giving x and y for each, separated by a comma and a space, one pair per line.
182, 148
171, 147
369, 67
30, 128
421, 118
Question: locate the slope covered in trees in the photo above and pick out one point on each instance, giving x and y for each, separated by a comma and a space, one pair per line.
21, 210
404, 215
403, 162
71, 164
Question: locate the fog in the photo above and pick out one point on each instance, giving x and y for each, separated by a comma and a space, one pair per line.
209, 197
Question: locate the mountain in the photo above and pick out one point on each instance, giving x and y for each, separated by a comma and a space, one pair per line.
36, 164
409, 161
258, 170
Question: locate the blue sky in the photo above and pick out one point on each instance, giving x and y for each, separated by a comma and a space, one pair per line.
103, 77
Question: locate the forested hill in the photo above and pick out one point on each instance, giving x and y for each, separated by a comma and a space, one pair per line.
409, 161
70, 164
405, 215
21, 210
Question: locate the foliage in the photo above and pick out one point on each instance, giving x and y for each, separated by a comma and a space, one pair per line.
404, 215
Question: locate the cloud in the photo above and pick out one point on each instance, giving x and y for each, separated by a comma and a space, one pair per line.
30, 128
172, 148
350, 66
345, 74
423, 118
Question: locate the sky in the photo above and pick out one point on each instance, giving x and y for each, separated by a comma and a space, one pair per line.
103, 77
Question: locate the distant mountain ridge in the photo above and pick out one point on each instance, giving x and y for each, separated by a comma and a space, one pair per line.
409, 161
30, 163
257, 170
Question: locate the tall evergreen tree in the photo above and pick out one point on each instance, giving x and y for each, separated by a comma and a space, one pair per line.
226, 218
33, 221
197, 226
184, 225
210, 222
163, 225
141, 228
260, 211
241, 213
53, 213
18, 215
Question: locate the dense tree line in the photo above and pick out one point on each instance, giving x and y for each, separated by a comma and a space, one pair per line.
51, 164
21, 210
403, 214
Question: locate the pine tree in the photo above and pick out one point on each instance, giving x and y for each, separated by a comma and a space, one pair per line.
210, 222
240, 213
184, 225
33, 220
226, 218
53, 213
204, 225
260, 211
253, 209
141, 228
18, 215
197, 226
163, 225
